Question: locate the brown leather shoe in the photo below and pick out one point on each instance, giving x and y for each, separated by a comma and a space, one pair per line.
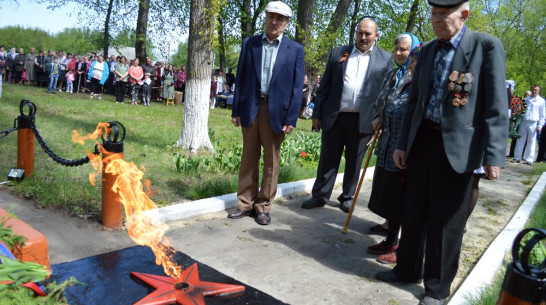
263, 219
240, 214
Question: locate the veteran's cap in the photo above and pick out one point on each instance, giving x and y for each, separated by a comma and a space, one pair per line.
446, 3
279, 7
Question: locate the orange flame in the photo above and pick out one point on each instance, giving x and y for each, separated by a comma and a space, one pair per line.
128, 185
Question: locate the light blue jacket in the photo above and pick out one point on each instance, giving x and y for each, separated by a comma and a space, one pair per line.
105, 72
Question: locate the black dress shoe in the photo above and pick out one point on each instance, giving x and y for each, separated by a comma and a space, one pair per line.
312, 203
391, 277
432, 301
263, 219
378, 229
239, 214
346, 206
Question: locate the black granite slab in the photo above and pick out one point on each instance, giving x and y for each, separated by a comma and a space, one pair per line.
108, 282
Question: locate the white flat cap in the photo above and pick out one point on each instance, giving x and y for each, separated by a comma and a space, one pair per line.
278, 7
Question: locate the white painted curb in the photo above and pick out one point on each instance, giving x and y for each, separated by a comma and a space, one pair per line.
483, 273
221, 203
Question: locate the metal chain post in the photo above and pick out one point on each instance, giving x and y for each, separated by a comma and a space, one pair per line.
49, 152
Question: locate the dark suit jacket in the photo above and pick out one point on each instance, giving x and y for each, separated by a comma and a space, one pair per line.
285, 88
328, 96
10, 62
475, 134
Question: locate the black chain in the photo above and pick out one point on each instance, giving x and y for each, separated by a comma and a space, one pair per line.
8, 131
65, 162
29, 119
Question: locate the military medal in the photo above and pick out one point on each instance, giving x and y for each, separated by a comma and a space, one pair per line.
460, 82
456, 102
457, 88
468, 80
453, 78
463, 101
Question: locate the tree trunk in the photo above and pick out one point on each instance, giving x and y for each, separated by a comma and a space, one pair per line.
304, 22
412, 16
141, 30
247, 29
335, 23
107, 29
249, 19
354, 22
194, 134
222, 44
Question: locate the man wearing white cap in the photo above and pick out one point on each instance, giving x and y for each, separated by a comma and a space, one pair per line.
455, 121
268, 92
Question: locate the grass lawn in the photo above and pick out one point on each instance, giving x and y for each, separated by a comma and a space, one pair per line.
151, 135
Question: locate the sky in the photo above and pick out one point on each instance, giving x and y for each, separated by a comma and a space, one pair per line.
27, 13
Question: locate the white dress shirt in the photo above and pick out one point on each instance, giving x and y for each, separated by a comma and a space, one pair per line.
535, 110
353, 82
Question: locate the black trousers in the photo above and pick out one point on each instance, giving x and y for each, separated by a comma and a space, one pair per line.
343, 135
434, 216
120, 91
95, 86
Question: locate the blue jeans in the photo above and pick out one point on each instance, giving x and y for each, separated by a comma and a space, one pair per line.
52, 83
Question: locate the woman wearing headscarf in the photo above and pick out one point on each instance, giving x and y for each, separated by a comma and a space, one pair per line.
98, 74
168, 82
388, 187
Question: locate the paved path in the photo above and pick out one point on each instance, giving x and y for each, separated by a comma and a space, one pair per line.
302, 257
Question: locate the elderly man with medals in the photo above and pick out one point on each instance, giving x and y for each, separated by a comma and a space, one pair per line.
455, 121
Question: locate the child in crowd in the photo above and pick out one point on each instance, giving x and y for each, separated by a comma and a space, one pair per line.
146, 89
54, 69
222, 98
23, 76
69, 81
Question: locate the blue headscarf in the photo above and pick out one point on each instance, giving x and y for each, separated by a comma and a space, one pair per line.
403, 68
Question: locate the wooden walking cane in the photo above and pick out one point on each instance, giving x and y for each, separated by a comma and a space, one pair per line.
369, 151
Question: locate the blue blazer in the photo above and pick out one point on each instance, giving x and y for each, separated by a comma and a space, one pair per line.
285, 88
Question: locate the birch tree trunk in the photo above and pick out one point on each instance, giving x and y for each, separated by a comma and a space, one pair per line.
194, 134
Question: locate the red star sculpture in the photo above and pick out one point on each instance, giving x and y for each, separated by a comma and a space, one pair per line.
187, 289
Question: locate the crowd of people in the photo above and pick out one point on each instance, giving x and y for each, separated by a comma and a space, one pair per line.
96, 75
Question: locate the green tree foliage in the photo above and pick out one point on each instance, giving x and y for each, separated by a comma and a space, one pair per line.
181, 56
167, 19
519, 24
71, 40
20, 37
79, 41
